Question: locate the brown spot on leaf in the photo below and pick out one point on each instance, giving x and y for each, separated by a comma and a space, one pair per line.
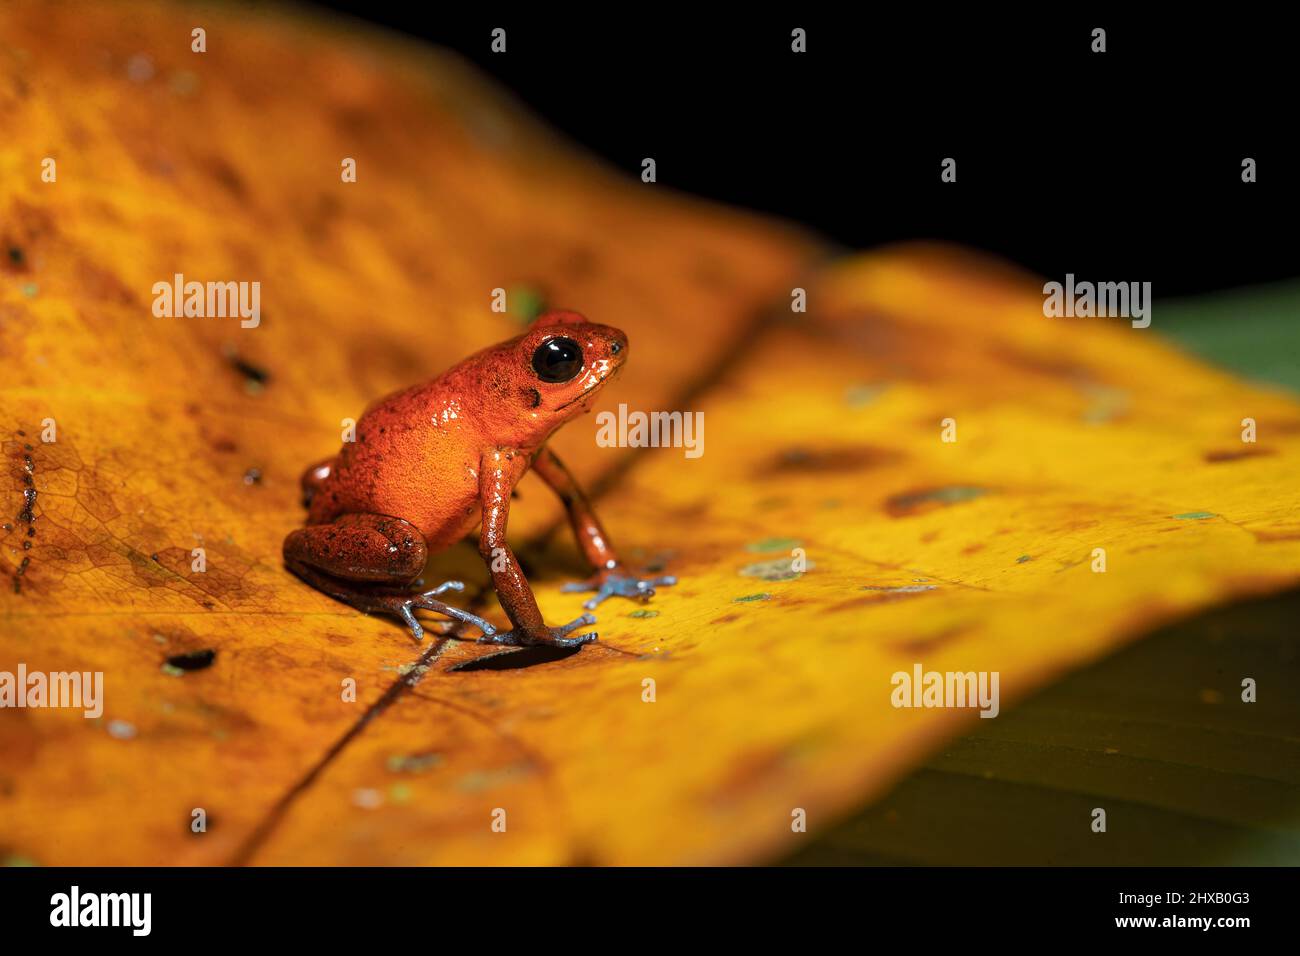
813, 460
1235, 454
922, 500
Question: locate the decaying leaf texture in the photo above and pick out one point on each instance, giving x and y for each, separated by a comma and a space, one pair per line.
771, 691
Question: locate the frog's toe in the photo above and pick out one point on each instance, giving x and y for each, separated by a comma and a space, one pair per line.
646, 586
558, 636
622, 585
456, 614
427, 600
548, 636
576, 623
405, 610
444, 587
573, 641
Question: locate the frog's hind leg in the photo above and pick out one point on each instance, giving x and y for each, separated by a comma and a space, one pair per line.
369, 561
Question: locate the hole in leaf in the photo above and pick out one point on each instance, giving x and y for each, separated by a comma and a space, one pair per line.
193, 660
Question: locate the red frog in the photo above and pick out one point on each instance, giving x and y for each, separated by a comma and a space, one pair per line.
432, 461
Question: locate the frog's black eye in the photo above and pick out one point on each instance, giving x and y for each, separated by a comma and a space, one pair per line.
557, 360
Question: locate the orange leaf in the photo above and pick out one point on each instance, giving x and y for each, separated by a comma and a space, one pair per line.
772, 689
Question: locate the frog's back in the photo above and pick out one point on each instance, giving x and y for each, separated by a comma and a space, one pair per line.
415, 457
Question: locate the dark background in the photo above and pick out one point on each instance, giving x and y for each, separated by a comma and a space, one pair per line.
1122, 166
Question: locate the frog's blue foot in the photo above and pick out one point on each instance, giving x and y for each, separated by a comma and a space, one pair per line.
371, 598
549, 636
405, 608
609, 583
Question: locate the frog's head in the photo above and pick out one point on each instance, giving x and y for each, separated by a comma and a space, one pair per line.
560, 364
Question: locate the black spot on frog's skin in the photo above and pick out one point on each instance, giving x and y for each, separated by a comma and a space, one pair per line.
253, 476
535, 397
193, 660
16, 256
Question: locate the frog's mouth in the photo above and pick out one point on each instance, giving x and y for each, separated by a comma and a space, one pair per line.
577, 398
586, 394
603, 373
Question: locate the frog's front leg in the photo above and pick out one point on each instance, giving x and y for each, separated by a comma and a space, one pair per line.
365, 560
498, 472
610, 576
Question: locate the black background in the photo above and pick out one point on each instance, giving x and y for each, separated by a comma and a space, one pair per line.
1122, 166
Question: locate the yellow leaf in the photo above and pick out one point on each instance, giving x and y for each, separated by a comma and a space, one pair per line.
824, 433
